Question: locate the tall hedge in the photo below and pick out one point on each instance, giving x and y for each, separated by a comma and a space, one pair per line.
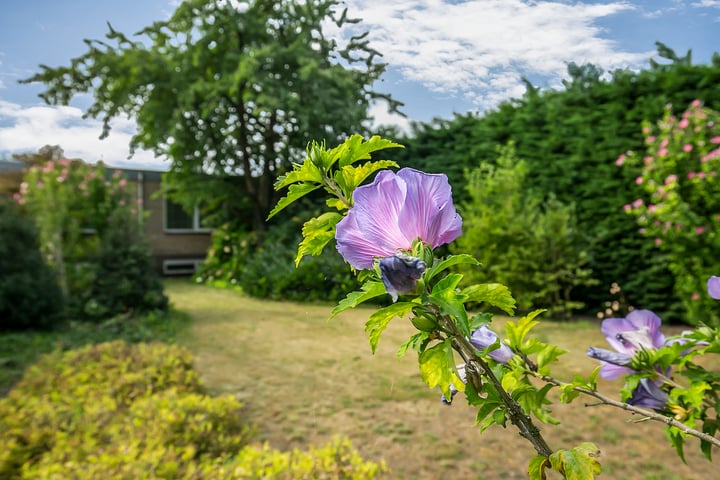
570, 139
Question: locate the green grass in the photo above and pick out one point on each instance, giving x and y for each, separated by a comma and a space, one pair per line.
305, 379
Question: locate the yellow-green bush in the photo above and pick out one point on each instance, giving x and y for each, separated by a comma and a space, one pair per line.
120, 411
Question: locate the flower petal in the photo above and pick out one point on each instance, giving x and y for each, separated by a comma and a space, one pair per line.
648, 395
483, 337
400, 274
713, 287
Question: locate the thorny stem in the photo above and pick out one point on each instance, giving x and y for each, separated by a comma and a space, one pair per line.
479, 368
631, 408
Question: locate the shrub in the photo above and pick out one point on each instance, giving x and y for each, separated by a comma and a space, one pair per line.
29, 293
527, 243
268, 271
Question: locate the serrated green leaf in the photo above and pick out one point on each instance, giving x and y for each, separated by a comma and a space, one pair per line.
516, 332
537, 466
295, 192
380, 318
546, 356
437, 368
444, 294
448, 262
579, 463
349, 176
301, 173
494, 294
355, 149
568, 393
370, 289
317, 232
413, 342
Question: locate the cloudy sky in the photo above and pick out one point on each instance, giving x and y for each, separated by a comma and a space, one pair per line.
444, 56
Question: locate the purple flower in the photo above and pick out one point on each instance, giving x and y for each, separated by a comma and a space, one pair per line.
639, 330
400, 273
483, 337
453, 390
713, 287
392, 212
648, 395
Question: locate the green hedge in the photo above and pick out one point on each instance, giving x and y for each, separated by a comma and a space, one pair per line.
120, 411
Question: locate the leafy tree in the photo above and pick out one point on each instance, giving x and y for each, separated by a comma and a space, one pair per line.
231, 89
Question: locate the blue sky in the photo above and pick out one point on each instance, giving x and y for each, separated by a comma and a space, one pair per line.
444, 56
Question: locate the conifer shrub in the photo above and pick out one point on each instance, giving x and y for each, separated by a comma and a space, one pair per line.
30, 296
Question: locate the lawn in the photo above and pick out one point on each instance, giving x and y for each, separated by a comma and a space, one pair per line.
305, 379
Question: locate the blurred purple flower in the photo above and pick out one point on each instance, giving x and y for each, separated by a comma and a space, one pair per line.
648, 395
713, 287
400, 273
639, 330
483, 337
392, 212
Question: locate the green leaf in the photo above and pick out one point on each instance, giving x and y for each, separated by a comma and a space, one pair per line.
537, 466
546, 356
516, 332
445, 296
494, 294
355, 149
414, 342
295, 192
349, 177
317, 232
437, 367
579, 463
449, 262
379, 320
301, 173
370, 289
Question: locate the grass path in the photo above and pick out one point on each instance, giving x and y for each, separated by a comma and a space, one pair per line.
304, 380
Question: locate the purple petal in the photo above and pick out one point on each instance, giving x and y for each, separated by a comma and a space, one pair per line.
641, 328
713, 287
483, 337
400, 274
613, 364
646, 318
648, 395
429, 212
392, 212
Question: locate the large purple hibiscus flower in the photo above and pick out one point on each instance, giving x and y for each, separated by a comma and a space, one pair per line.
390, 214
639, 330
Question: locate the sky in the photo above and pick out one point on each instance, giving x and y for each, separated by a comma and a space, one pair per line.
444, 57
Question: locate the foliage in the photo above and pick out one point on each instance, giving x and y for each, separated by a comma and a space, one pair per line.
266, 271
120, 411
29, 293
90, 233
231, 90
500, 376
22, 348
679, 207
570, 139
532, 246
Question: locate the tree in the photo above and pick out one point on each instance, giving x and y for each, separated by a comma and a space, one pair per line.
230, 89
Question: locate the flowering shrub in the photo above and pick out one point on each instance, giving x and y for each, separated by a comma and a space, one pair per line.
680, 207
388, 230
89, 232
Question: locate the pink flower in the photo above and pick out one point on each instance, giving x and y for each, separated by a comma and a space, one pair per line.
395, 210
620, 160
627, 207
652, 208
662, 152
691, 175
699, 230
638, 203
650, 139
648, 160
639, 180
122, 182
687, 147
696, 103
695, 297
715, 140
664, 143
670, 179
683, 123
658, 241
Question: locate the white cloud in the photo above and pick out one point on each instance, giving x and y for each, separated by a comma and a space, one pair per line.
380, 115
27, 129
480, 49
707, 4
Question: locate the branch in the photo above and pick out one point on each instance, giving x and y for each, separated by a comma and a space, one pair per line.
640, 411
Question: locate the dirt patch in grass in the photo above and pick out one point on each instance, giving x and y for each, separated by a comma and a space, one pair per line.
305, 379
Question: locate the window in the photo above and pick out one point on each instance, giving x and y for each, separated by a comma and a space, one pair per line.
177, 220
